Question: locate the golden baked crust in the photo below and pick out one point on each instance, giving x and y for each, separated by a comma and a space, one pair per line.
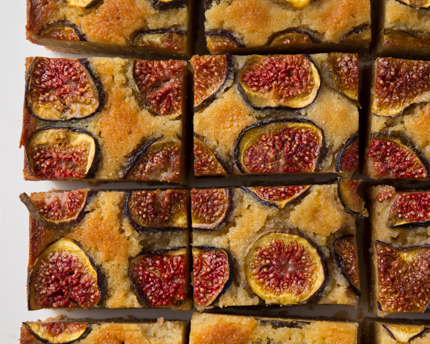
230, 329
220, 123
110, 25
250, 217
117, 332
122, 126
108, 238
254, 22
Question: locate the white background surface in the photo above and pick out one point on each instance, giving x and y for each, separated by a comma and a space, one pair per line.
14, 215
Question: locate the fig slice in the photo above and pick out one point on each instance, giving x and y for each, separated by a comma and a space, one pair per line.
359, 34
385, 194
280, 146
210, 208
58, 332
294, 3
273, 81
83, 3
280, 196
347, 260
417, 4
403, 278
347, 159
285, 268
62, 153
205, 161
219, 41
292, 37
62, 89
345, 74
170, 39
400, 38
395, 158
159, 279
410, 209
63, 276
404, 333
56, 209
212, 274
350, 198
160, 85
157, 160
158, 209
284, 323
399, 84
210, 75
168, 4
64, 31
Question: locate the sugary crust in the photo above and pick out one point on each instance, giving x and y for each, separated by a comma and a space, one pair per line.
220, 123
250, 218
230, 329
160, 332
107, 236
255, 21
120, 127
113, 22
383, 337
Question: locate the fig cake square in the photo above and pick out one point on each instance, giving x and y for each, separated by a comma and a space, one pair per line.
85, 331
108, 249
275, 114
287, 25
401, 332
397, 143
406, 29
209, 328
401, 250
103, 119
115, 27
289, 245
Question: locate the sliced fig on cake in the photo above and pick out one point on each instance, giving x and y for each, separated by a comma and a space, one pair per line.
64, 276
279, 81
278, 196
56, 209
285, 268
210, 208
280, 146
63, 89
62, 153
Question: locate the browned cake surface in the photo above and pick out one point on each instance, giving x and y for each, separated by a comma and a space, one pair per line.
254, 21
319, 216
222, 121
229, 329
160, 332
122, 125
110, 240
113, 22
